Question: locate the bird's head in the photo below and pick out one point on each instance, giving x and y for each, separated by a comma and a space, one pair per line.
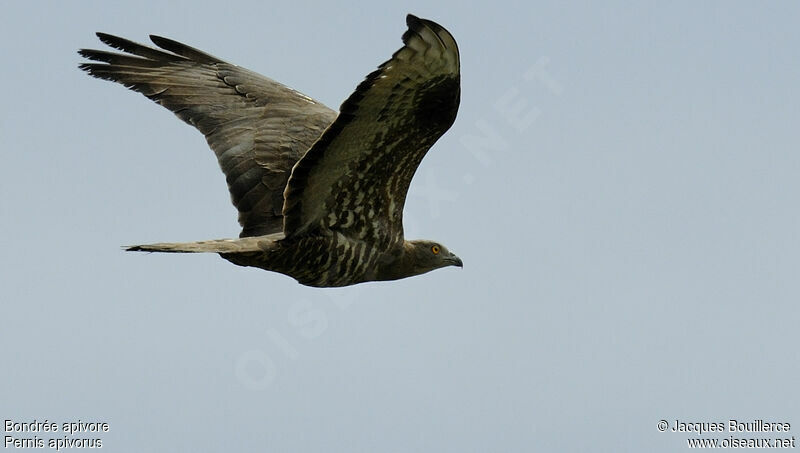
428, 255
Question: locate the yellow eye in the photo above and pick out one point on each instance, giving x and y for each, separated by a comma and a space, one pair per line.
435, 249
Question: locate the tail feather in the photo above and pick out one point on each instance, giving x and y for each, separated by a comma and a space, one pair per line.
248, 244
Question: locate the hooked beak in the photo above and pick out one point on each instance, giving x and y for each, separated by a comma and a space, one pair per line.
455, 261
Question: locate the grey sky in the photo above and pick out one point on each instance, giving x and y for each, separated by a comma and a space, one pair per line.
621, 183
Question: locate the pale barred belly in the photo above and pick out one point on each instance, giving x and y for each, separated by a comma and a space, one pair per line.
328, 260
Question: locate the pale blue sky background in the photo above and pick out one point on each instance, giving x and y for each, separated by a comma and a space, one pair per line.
621, 182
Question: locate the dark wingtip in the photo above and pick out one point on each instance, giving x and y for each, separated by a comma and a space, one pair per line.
110, 40
183, 50
415, 24
89, 53
161, 41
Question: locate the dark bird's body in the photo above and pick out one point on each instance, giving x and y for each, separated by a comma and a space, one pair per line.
320, 195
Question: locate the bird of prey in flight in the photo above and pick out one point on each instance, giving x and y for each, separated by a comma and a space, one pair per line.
320, 195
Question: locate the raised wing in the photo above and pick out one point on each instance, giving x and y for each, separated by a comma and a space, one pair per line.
257, 127
355, 178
